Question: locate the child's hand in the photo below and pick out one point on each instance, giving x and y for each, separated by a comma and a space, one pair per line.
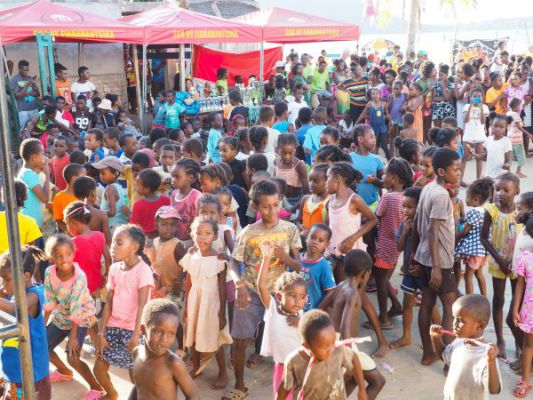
242, 298
346, 245
435, 331
192, 250
361, 394
101, 344
371, 179
293, 320
516, 318
267, 248
73, 346
223, 256
221, 320
408, 224
134, 342
507, 166
492, 352
505, 267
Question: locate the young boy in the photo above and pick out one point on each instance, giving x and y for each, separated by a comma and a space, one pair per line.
93, 143
59, 161
433, 243
63, 85
63, 198
193, 149
128, 144
84, 119
172, 111
312, 137
297, 103
249, 310
315, 269
215, 134
282, 118
84, 188
330, 363
111, 136
167, 159
158, 372
474, 370
408, 131
32, 152
267, 119
83, 86
144, 209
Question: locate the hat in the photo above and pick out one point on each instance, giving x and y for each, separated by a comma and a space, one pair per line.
109, 162
279, 64
105, 105
167, 212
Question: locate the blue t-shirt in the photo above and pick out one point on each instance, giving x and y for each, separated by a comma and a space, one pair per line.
312, 139
282, 126
172, 115
98, 152
32, 206
319, 277
157, 76
367, 165
159, 113
212, 145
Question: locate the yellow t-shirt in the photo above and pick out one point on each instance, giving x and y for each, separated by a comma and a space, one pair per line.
492, 94
29, 230
61, 201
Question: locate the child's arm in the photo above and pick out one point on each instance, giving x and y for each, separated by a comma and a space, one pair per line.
464, 232
434, 245
106, 230
111, 195
494, 377
484, 236
42, 192
228, 239
363, 114
357, 372
435, 331
461, 209
417, 102
32, 302
467, 116
222, 295
267, 251
518, 298
358, 205
301, 169
291, 260
107, 263
183, 380
507, 163
405, 232
141, 302
101, 343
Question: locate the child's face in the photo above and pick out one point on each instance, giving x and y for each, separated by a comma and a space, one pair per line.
426, 166
53, 131
39, 158
317, 182
293, 298
180, 179
109, 142
161, 98
298, 95
452, 174
515, 80
7, 281
227, 153
81, 105
217, 122
464, 324
123, 246
166, 228
413, 91
161, 333
286, 153
505, 191
91, 143
397, 90
326, 139
188, 130
208, 184
167, 158
107, 175
268, 206
225, 202
521, 210
332, 183
169, 97
63, 257
389, 180
374, 95
210, 211
60, 148
323, 344
367, 140
136, 168
141, 189
472, 201
205, 236
498, 128
317, 241
122, 116
130, 146
408, 207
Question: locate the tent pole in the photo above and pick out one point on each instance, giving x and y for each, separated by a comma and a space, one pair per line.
261, 72
182, 67
144, 88
138, 92
21, 307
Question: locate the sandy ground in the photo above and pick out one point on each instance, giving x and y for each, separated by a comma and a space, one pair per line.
410, 380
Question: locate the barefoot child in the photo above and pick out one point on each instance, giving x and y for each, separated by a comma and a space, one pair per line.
158, 372
515, 135
426, 174
408, 131
313, 208
474, 371
291, 169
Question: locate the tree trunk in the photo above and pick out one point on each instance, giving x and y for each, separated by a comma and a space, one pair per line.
412, 30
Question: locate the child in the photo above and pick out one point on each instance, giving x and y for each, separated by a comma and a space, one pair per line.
167, 159
156, 369
475, 114
126, 125
434, 222
93, 143
229, 149
408, 130
315, 269
283, 310
312, 136
290, 169
515, 134
329, 137
129, 284
209, 206
377, 112
409, 149
184, 198
346, 126
111, 136
173, 110
395, 103
128, 143
84, 119
115, 198
282, 118
85, 190
426, 174
72, 311
65, 197
249, 310
473, 366
498, 148
498, 236
445, 137
329, 363
193, 149
215, 134
345, 212
469, 247
225, 196
297, 103
159, 111
32, 153
313, 208
397, 177
245, 146
35, 302
145, 209
59, 161
207, 328
522, 308
413, 105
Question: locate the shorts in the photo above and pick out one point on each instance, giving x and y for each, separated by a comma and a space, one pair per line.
496, 272
448, 283
382, 264
55, 336
117, 354
367, 364
410, 283
519, 152
43, 389
475, 262
245, 321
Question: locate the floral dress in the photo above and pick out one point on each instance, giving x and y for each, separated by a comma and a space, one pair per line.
442, 109
503, 231
524, 268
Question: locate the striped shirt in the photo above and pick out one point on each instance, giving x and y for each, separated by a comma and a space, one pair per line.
389, 213
357, 89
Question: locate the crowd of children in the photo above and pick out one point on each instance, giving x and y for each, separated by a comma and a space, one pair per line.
163, 250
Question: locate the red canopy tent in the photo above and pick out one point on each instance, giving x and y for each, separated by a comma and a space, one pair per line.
280, 25
64, 23
170, 24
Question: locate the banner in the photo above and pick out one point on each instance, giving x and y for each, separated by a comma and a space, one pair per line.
206, 62
467, 49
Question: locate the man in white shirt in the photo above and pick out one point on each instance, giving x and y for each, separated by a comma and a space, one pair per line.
84, 86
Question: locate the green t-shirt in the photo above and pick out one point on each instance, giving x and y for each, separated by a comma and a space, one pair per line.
308, 71
172, 115
319, 81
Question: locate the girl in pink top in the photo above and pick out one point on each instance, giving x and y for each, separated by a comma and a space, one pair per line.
345, 209
398, 176
90, 246
129, 284
291, 169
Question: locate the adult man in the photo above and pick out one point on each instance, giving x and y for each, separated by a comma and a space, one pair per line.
83, 86
26, 93
320, 86
356, 86
158, 73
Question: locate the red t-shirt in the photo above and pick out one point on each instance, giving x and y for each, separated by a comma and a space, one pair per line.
89, 249
143, 213
57, 165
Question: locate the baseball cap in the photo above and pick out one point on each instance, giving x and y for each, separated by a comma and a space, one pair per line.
167, 212
109, 162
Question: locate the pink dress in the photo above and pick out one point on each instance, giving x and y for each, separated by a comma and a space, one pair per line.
524, 268
343, 224
187, 209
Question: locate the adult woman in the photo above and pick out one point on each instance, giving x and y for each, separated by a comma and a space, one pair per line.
386, 89
441, 94
462, 88
429, 74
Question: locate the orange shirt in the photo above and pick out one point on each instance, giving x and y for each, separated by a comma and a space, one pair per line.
60, 202
63, 89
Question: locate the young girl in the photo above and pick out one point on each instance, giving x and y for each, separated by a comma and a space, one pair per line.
313, 208
207, 328
159, 111
426, 174
498, 147
475, 114
345, 209
515, 134
184, 198
129, 284
414, 105
329, 137
259, 140
395, 101
72, 311
94, 141
283, 311
498, 235
229, 148
469, 247
215, 134
378, 114
209, 206
398, 176
225, 196
291, 169
245, 146
409, 149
